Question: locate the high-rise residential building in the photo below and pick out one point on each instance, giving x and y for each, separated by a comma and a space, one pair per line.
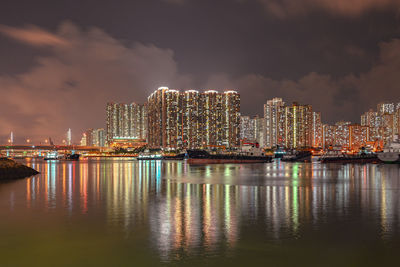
191, 132
251, 129
396, 122
212, 118
274, 117
328, 136
192, 120
87, 138
298, 126
231, 119
317, 130
387, 127
164, 120
246, 128
357, 136
386, 108
98, 137
342, 132
126, 121
259, 131
69, 137
383, 124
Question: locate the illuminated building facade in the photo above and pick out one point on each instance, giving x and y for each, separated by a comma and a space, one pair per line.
246, 128
251, 129
383, 124
193, 120
328, 136
259, 131
191, 131
212, 118
317, 130
274, 122
98, 137
126, 121
357, 136
298, 126
231, 119
342, 137
94, 137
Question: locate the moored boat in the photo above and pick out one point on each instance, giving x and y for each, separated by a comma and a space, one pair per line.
298, 156
250, 153
147, 155
345, 158
180, 156
72, 156
391, 152
53, 155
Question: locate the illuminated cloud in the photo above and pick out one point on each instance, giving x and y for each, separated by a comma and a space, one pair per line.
70, 87
33, 35
286, 8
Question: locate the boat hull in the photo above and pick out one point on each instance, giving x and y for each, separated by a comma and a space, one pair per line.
299, 157
389, 157
350, 160
203, 157
224, 161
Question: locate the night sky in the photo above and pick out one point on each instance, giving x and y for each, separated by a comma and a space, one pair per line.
62, 61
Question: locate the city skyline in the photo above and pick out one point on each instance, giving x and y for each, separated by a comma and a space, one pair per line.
385, 132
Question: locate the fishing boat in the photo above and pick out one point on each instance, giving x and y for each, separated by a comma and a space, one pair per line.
298, 156
71, 156
53, 155
147, 155
348, 158
279, 153
249, 153
180, 156
391, 152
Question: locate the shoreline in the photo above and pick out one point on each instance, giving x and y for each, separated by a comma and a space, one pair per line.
11, 170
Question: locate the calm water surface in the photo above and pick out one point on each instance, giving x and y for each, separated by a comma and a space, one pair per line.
123, 212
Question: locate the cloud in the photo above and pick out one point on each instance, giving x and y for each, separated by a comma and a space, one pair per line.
33, 35
70, 87
175, 2
287, 8
338, 98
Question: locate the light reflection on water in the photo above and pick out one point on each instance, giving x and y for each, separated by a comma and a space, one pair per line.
194, 210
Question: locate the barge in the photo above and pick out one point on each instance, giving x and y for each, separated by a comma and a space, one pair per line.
250, 153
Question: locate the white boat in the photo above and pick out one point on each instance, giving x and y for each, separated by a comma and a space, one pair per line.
391, 152
52, 155
147, 155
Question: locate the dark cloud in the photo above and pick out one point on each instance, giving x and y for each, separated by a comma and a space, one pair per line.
175, 2
70, 87
82, 69
287, 8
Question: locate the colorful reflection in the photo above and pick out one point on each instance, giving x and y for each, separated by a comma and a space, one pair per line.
190, 208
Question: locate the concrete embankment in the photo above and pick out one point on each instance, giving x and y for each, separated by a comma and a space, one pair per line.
10, 169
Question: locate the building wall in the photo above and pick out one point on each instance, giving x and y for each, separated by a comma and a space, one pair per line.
298, 126
274, 114
126, 120
193, 120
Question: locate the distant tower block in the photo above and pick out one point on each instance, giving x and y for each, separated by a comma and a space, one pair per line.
69, 137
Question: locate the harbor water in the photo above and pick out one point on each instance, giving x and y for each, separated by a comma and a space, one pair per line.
124, 212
